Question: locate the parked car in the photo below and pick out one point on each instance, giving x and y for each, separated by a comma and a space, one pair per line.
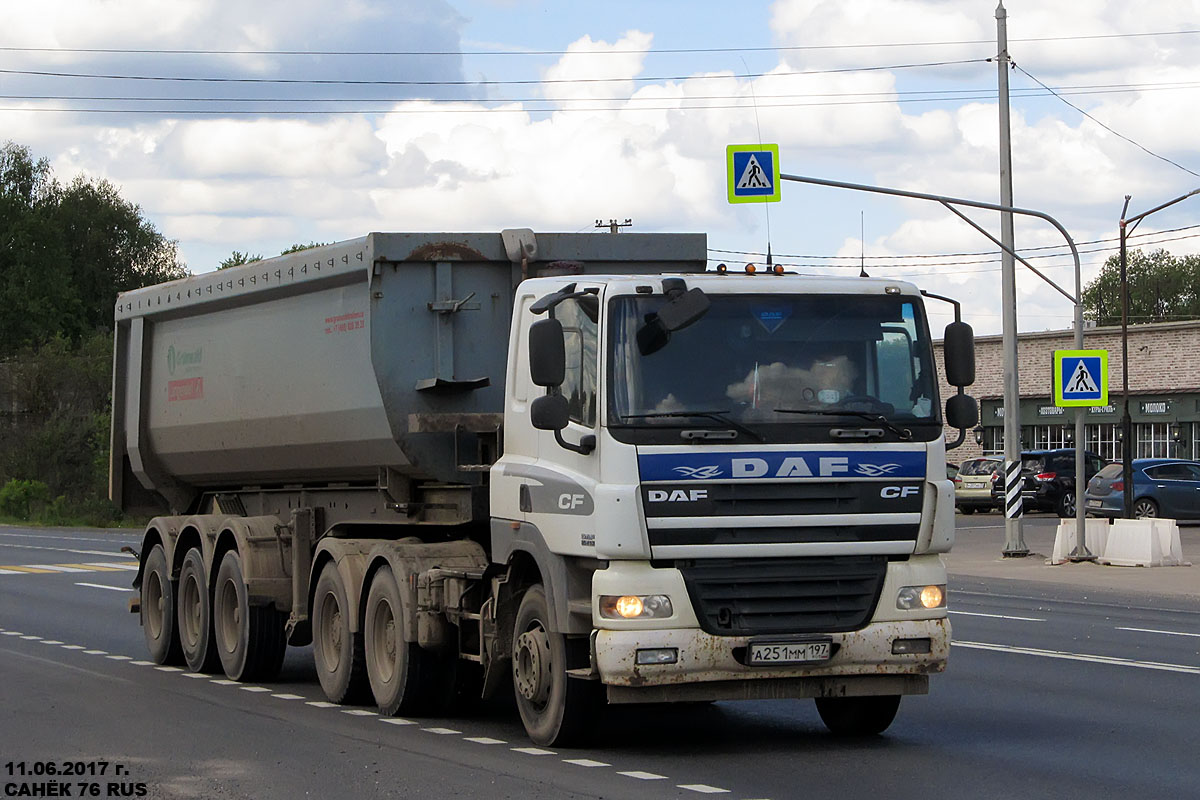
973, 484
1162, 487
1048, 480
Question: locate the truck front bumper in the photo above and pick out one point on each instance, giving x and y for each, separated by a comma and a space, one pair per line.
712, 667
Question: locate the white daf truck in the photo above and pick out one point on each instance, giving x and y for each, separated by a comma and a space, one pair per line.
576, 467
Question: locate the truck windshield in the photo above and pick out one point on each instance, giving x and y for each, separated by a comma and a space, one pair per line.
773, 360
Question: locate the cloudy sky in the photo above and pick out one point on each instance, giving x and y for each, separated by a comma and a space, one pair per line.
255, 126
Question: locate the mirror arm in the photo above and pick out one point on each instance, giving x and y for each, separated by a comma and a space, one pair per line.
587, 443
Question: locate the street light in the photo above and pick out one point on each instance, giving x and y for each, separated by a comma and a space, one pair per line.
1126, 226
978, 431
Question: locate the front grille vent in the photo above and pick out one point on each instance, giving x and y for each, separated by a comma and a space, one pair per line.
744, 597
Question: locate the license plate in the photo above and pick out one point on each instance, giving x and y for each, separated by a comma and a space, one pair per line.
789, 652
1094, 503
976, 485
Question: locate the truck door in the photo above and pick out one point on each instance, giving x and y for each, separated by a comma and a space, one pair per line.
563, 507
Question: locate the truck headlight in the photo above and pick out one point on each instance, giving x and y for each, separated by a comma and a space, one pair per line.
928, 597
633, 606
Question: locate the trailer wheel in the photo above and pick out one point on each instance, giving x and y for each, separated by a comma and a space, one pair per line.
858, 716
556, 709
250, 639
195, 616
404, 677
158, 609
337, 653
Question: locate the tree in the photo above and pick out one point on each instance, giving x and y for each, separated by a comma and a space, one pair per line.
1162, 288
66, 252
237, 259
296, 248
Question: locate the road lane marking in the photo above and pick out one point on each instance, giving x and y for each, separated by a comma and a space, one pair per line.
1111, 660
102, 586
396, 721
997, 616
50, 569
96, 652
441, 731
254, 688
28, 570
169, 669
484, 740
109, 553
194, 675
62, 568
142, 663
533, 751
224, 682
12, 633
51, 641
32, 638
1165, 633
359, 712
132, 567
702, 788
285, 696
643, 776
119, 658
316, 703
585, 762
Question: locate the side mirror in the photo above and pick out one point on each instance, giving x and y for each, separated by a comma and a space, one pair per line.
962, 412
958, 351
549, 412
547, 354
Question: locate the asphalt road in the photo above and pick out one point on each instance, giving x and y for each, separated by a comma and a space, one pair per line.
1052, 691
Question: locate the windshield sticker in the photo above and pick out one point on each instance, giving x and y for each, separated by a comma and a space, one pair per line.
772, 317
777, 464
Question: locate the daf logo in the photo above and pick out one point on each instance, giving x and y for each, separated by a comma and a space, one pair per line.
699, 473
677, 495
894, 492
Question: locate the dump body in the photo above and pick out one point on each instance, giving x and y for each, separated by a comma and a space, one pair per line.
329, 365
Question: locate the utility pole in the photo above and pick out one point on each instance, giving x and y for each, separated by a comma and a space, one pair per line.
1014, 541
614, 226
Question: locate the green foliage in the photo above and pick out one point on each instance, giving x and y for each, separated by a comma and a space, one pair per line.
296, 248
22, 498
1162, 288
237, 259
67, 251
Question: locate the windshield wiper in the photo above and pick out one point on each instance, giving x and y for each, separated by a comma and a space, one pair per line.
904, 433
716, 416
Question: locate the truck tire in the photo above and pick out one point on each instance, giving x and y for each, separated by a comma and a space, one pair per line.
337, 653
250, 639
196, 636
858, 716
158, 609
404, 677
556, 709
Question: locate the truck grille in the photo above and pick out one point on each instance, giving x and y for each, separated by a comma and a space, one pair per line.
740, 597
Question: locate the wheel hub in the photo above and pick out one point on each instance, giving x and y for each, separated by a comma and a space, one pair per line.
531, 666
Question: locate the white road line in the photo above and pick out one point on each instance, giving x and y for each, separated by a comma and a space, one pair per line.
1112, 660
11, 572
142, 663
102, 586
113, 565
32, 638
702, 788
96, 652
196, 675
359, 712
643, 776
1165, 633
254, 689
73, 647
51, 641
585, 762
320, 704
57, 568
997, 616
533, 751
169, 669
396, 721
119, 658
108, 553
483, 740
441, 731
283, 696
224, 682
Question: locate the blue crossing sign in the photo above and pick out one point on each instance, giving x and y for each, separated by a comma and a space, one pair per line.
1080, 377
752, 171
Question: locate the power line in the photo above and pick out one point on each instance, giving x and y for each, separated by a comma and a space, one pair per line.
1106, 127
608, 51
523, 82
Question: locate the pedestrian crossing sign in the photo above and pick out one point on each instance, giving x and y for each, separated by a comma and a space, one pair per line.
1080, 377
753, 173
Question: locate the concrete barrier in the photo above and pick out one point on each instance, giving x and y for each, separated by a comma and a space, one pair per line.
1095, 531
1167, 531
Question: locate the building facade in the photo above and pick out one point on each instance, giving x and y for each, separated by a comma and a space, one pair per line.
1164, 393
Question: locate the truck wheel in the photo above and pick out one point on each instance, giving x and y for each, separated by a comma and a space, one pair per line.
158, 609
195, 616
250, 639
858, 716
556, 709
404, 677
337, 653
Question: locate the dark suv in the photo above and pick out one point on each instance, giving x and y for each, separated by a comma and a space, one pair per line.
1048, 480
